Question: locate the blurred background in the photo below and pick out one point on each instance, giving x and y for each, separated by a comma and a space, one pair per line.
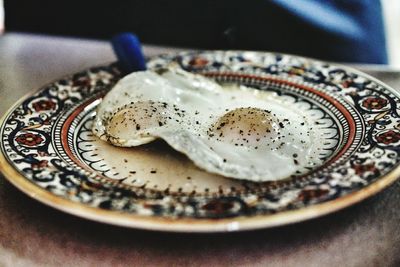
391, 11
357, 31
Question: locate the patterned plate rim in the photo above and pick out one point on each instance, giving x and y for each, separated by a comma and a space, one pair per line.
190, 225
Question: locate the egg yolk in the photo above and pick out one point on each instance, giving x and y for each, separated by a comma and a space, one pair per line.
245, 127
136, 117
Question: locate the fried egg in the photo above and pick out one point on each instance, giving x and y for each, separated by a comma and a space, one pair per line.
228, 129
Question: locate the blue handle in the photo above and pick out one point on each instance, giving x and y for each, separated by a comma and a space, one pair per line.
129, 52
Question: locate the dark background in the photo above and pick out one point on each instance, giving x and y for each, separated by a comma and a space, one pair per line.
209, 24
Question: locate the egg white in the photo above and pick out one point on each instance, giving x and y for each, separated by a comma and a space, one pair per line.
231, 130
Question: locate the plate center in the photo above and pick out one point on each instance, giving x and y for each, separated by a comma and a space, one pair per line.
154, 166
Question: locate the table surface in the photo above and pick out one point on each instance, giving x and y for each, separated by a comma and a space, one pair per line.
32, 234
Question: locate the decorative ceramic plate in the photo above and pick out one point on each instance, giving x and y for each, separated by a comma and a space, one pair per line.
50, 153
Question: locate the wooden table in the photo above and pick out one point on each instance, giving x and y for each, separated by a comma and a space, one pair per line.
31, 234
